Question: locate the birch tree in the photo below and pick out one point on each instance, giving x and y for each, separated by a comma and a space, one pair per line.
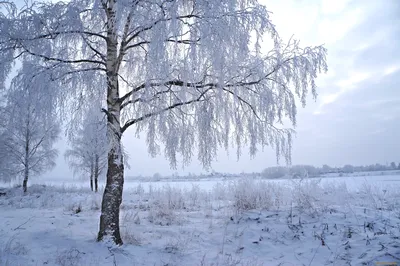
28, 131
196, 73
6, 173
88, 152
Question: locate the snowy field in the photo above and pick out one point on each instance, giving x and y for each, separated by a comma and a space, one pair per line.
353, 182
329, 221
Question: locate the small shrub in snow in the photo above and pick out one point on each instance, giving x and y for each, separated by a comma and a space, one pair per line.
173, 198
249, 194
74, 207
167, 196
163, 204
307, 194
139, 190
179, 244
95, 205
129, 237
376, 196
130, 216
220, 191
95, 202
163, 216
194, 196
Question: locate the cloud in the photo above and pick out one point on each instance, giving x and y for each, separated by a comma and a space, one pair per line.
332, 30
365, 50
364, 119
391, 70
355, 120
352, 81
333, 7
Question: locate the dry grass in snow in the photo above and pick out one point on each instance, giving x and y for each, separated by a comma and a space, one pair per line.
242, 222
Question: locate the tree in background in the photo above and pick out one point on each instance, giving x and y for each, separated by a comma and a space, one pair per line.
188, 74
304, 171
6, 169
275, 172
326, 168
393, 165
348, 168
29, 129
88, 152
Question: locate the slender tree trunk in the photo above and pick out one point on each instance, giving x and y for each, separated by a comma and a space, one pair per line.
91, 176
26, 176
96, 185
112, 197
26, 159
96, 172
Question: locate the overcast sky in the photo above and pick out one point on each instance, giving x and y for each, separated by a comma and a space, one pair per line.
356, 116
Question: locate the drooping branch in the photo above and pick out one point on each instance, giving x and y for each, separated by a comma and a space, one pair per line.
66, 61
154, 97
131, 122
54, 34
180, 83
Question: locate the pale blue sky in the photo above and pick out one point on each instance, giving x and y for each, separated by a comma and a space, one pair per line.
356, 116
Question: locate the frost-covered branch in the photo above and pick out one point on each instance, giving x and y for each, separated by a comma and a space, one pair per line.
61, 60
173, 106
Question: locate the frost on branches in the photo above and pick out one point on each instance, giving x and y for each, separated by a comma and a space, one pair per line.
28, 129
187, 73
88, 152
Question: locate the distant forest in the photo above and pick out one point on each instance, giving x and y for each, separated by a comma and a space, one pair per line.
295, 171
312, 171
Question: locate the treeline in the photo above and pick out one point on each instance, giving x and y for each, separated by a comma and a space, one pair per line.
301, 171
295, 171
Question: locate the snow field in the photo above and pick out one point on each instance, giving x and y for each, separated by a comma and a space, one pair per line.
240, 222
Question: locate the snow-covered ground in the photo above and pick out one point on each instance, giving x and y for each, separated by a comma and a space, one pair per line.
353, 183
330, 221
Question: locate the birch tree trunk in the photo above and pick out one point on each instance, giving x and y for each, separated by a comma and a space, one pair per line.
112, 197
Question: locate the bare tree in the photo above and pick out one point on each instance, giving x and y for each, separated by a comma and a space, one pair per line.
203, 74
88, 152
29, 130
